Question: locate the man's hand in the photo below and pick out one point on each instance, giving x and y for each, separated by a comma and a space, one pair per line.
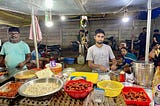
20, 65
114, 63
102, 68
2, 61
113, 67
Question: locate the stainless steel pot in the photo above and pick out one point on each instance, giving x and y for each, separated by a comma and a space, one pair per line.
143, 73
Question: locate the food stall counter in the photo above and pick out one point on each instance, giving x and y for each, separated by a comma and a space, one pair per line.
8, 77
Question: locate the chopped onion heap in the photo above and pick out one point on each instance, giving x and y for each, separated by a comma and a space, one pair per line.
38, 89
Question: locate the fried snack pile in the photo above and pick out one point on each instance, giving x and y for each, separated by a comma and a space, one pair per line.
10, 89
78, 86
137, 96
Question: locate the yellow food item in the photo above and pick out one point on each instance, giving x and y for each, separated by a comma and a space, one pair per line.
45, 73
25, 75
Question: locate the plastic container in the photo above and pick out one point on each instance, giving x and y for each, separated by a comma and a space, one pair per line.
78, 94
143, 73
112, 88
138, 94
57, 69
69, 60
80, 59
98, 95
69, 70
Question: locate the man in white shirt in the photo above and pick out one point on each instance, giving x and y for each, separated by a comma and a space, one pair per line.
100, 54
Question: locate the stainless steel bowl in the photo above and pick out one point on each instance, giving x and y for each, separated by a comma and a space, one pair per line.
68, 70
42, 80
25, 75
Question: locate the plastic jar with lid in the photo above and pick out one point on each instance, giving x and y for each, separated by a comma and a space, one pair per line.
98, 95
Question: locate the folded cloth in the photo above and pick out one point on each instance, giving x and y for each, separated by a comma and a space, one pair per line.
37, 29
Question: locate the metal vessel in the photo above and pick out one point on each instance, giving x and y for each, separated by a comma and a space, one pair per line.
143, 73
42, 80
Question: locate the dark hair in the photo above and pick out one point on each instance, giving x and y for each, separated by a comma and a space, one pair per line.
124, 48
99, 31
144, 28
154, 44
156, 30
14, 29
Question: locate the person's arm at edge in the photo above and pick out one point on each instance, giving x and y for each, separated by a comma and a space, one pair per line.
114, 63
152, 54
1, 61
92, 65
27, 59
154, 39
1, 58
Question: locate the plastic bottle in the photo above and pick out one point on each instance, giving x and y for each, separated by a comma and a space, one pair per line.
122, 76
52, 61
156, 87
80, 59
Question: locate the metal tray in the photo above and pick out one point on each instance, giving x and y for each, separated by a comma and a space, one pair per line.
4, 88
20, 75
42, 80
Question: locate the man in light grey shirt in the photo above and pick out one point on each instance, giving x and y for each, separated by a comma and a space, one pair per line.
100, 54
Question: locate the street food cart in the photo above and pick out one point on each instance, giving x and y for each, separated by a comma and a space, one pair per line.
11, 89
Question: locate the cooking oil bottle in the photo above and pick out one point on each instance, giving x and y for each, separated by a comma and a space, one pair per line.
156, 87
80, 59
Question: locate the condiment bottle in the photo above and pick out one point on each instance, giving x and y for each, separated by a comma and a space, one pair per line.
122, 76
156, 87
52, 61
80, 59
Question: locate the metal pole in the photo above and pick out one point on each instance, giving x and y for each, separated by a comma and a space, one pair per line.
119, 33
132, 36
34, 36
148, 30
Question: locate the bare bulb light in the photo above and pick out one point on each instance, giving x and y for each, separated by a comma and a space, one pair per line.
125, 19
63, 18
49, 23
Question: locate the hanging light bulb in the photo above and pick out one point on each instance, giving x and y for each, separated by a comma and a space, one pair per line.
48, 18
63, 18
49, 24
125, 17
